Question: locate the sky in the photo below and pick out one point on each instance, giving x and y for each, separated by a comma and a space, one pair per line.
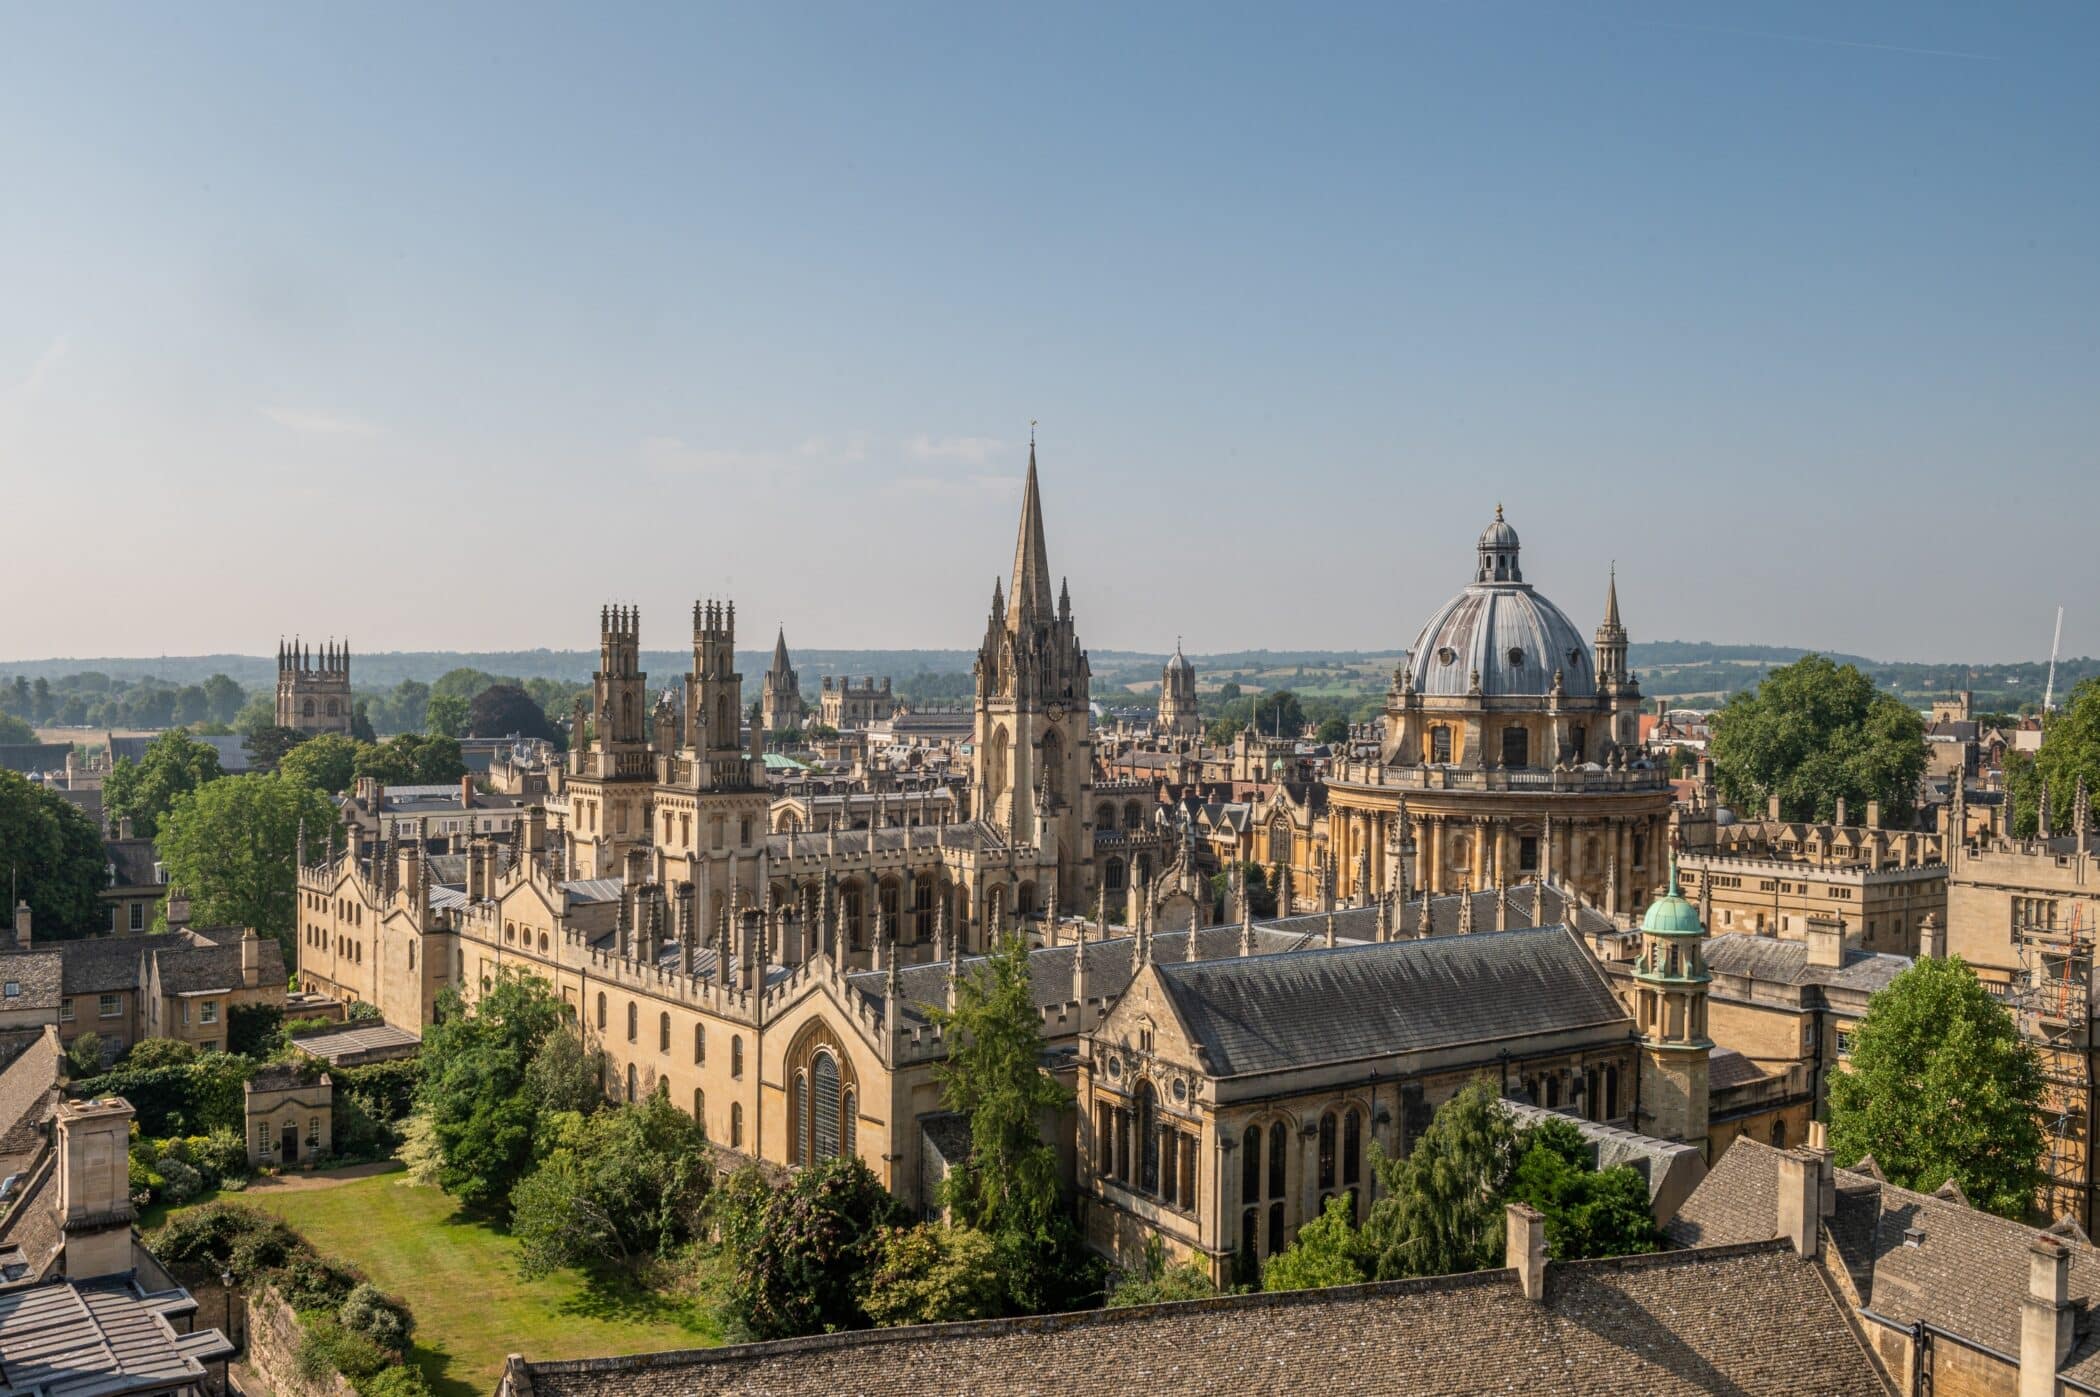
440, 327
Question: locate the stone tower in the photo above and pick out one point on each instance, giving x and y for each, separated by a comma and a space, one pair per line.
1032, 763
1615, 682
313, 696
1670, 980
714, 691
1177, 697
780, 701
609, 776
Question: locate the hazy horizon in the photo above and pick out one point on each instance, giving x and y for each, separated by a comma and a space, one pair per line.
440, 328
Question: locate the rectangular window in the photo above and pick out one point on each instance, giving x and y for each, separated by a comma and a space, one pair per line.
138, 916
209, 1012
110, 1006
113, 917
1844, 1043
65, 1011
1528, 854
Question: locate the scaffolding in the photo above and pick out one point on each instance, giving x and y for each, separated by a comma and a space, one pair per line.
2053, 1005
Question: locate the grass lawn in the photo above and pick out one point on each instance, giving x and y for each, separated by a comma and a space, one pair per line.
461, 1280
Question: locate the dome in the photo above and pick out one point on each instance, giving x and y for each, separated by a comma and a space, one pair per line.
1498, 536
1179, 664
1672, 914
1513, 637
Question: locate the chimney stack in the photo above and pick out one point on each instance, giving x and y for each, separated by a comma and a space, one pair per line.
94, 1187
1772, 809
2045, 1316
178, 909
466, 792
1525, 1248
1873, 814
1932, 938
1826, 941
251, 958
1800, 1202
22, 925
1840, 820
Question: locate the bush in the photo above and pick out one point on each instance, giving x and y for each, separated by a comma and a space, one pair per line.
179, 1182
263, 1249
931, 1274
221, 1156
377, 1316
84, 1057
159, 1052
399, 1381
311, 1282
204, 1237
329, 1348
361, 1012
255, 1030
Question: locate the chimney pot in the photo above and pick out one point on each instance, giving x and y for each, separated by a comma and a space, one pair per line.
2046, 1317
1525, 1248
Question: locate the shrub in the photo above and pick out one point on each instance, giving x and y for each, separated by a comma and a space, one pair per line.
204, 1237
261, 1250
377, 1316
361, 1012
931, 1274
329, 1348
84, 1058
311, 1282
399, 1381
159, 1052
221, 1156
179, 1182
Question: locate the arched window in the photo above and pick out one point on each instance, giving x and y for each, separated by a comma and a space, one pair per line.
848, 1110
663, 1033
1611, 1093
307, 709
1275, 1227
1329, 1131
824, 1105
1516, 747
1147, 1139
333, 711
700, 1109
699, 1042
1112, 875
1279, 1140
736, 1056
1440, 744
601, 1011
1553, 1092
1105, 817
736, 1125
630, 1081
1779, 1134
1250, 1235
634, 1022
1053, 759
798, 1114
1280, 842
1352, 1154
663, 1088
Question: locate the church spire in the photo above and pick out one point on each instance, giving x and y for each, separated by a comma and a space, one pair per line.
1611, 598
1029, 601
780, 651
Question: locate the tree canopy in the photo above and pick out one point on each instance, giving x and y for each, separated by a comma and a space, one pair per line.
13, 729
800, 1255
1815, 732
446, 715
1941, 1086
411, 759
53, 853
2070, 750
1442, 1210
623, 1184
141, 791
232, 845
475, 1092
1589, 1211
1327, 1251
503, 709
327, 763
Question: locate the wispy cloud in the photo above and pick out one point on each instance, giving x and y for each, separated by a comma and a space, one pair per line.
1837, 43
967, 451
676, 456
319, 424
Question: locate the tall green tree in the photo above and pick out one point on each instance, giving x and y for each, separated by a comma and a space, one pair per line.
1443, 1210
223, 698
143, 790
1327, 1251
52, 856
933, 1274
800, 1255
1815, 732
411, 759
446, 716
232, 845
1009, 1186
503, 709
1588, 1211
13, 729
622, 1185
326, 763
1941, 1086
476, 1063
2070, 752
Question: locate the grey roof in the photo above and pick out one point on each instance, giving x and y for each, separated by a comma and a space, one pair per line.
281, 1076
594, 889
38, 977
964, 834
131, 862
30, 758
98, 1340
1361, 923
1775, 961
1511, 634
28, 1088
1725, 1068
195, 969
1741, 1320
352, 1044
1272, 1013
104, 964
233, 751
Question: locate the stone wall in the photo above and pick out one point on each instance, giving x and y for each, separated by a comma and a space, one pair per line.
274, 1334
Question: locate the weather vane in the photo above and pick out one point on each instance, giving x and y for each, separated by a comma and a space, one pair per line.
1031, 431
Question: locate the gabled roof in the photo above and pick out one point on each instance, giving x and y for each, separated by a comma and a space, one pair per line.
1775, 961
38, 977
196, 969
105, 964
1352, 1003
131, 862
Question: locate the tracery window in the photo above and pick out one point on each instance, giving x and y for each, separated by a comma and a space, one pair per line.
1329, 1131
1148, 1139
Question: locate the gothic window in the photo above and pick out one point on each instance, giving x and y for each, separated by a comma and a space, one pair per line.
1053, 768
1250, 1165
663, 1033
699, 1043
1250, 1234
1123, 1146
736, 1056
1328, 1132
824, 1107
700, 1110
630, 1081
1279, 1141
1112, 876
1105, 818
333, 710
1553, 1092
1280, 842
1352, 1149
1148, 1140
1528, 853
995, 765
736, 1125
798, 1112
1516, 747
1275, 1227
307, 709
743, 831
1133, 816
1611, 1093
633, 1022
1779, 1135
1169, 1175
1440, 744
601, 1011
1187, 1155
848, 1108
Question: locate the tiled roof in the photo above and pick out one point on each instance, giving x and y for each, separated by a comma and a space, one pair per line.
131, 862
105, 964
37, 977
28, 1087
188, 970
29, 758
1725, 1067
1775, 961
1745, 1320
1272, 1013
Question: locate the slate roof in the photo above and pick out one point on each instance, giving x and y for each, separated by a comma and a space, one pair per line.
38, 978
358, 1043
98, 1340
28, 1090
1744, 1320
131, 862
964, 834
1775, 961
104, 964
192, 969
1273, 1013
1725, 1068
1966, 1273
30, 758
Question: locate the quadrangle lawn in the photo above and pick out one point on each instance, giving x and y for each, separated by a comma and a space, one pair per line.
461, 1280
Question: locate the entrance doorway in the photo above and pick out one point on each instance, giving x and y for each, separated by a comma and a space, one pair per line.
289, 1150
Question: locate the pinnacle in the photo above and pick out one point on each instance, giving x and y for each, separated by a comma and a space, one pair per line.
1030, 599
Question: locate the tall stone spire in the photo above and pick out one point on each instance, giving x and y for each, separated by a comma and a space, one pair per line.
1029, 602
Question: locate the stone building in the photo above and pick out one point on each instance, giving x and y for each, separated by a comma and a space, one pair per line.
313, 697
1508, 752
289, 1113
780, 705
849, 707
1177, 698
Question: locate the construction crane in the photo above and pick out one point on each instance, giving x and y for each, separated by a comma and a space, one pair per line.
2049, 690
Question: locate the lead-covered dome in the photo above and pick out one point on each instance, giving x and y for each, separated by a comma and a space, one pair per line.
1501, 629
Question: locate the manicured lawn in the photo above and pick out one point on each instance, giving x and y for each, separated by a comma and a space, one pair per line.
461, 1280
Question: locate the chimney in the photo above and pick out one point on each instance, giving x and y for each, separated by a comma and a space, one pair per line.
466, 792
1932, 938
1840, 820
94, 1187
1826, 941
1873, 814
2045, 1316
1525, 1248
21, 926
535, 830
1772, 809
178, 909
124, 827
1800, 1202
251, 958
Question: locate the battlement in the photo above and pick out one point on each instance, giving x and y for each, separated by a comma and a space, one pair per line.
297, 659
620, 623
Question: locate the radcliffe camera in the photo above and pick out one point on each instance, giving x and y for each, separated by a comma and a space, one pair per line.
1174, 699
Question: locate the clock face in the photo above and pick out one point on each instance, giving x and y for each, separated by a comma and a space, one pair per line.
1057, 712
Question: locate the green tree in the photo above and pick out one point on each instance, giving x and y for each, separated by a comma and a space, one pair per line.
1589, 1211
503, 709
992, 1076
1942, 1086
446, 716
563, 1076
933, 1274
1815, 732
361, 728
622, 1185
327, 763
799, 1255
223, 699
53, 854
231, 846
1334, 731
1222, 731
1327, 1251
143, 790
2070, 752
475, 1062
411, 759
267, 743
461, 683
1154, 1282
13, 729
1442, 1212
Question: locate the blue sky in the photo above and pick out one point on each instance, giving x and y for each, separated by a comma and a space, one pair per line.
442, 328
